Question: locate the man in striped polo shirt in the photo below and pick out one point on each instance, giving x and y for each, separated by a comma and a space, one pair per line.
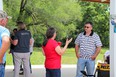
87, 48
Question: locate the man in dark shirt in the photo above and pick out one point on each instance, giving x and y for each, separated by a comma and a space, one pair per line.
12, 38
22, 40
12, 46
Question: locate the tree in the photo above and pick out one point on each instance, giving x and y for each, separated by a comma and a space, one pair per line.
97, 13
41, 14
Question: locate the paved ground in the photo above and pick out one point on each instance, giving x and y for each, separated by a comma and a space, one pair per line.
39, 71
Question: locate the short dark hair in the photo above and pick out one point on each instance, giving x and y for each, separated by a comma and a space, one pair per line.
21, 24
89, 23
15, 29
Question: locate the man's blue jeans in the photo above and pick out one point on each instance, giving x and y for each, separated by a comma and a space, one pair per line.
85, 63
2, 70
53, 73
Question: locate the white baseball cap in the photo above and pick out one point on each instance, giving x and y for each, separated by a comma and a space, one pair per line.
3, 14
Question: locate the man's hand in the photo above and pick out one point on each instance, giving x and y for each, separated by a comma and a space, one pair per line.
78, 55
93, 57
96, 53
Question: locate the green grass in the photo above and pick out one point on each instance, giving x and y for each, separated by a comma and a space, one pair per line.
69, 57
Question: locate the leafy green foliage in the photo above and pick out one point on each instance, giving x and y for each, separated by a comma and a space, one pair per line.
41, 14
67, 16
98, 14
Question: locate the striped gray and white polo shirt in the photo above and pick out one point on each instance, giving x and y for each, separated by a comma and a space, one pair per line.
87, 44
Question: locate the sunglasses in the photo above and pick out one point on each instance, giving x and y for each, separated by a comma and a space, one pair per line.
86, 27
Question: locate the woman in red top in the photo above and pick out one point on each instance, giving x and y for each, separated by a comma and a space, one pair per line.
52, 51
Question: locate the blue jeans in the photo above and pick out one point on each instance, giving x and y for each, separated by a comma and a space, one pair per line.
85, 63
53, 73
2, 70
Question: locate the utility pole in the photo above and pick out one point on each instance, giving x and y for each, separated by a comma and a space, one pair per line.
1, 5
112, 38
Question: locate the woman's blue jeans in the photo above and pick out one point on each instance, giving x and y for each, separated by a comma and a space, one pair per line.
53, 73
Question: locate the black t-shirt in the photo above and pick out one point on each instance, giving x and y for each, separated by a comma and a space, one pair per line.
12, 46
23, 37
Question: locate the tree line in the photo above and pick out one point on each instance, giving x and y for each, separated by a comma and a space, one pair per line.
67, 16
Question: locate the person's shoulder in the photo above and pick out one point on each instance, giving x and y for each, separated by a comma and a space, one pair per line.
107, 52
27, 30
3, 28
81, 34
95, 34
17, 32
52, 41
23, 31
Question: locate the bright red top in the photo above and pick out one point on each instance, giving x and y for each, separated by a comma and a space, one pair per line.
52, 58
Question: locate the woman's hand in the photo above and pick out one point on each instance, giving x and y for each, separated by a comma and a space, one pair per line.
68, 41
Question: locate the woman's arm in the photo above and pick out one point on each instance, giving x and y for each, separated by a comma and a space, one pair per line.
60, 50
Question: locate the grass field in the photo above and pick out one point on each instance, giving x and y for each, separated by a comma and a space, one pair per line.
69, 57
